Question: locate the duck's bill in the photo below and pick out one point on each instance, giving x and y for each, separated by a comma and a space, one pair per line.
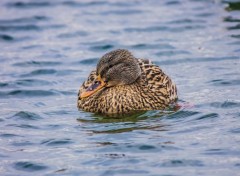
96, 86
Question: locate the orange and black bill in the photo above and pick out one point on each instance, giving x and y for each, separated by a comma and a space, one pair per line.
96, 86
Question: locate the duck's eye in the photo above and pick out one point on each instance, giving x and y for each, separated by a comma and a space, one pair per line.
110, 66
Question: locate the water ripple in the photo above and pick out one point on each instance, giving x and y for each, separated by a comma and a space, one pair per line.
36, 63
208, 116
40, 72
24, 115
56, 142
226, 104
83, 4
72, 35
164, 28
24, 20
27, 27
178, 163
90, 61
102, 47
121, 12
28, 93
29, 166
24, 126
5, 37
225, 82
152, 46
25, 82
21, 4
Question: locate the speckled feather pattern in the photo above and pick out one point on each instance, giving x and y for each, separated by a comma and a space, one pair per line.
154, 90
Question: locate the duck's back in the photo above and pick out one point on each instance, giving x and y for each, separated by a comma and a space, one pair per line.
158, 81
153, 90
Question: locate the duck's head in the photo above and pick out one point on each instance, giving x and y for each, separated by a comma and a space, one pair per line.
118, 67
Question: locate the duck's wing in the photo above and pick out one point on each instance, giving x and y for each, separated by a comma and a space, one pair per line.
87, 83
157, 81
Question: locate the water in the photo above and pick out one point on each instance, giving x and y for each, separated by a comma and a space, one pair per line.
48, 49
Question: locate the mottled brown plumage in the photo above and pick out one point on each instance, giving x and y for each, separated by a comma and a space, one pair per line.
131, 85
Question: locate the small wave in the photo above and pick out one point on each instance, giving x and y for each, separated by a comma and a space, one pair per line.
189, 60
231, 19
226, 104
208, 116
22, 143
9, 135
182, 162
56, 142
40, 72
24, 115
27, 27
172, 53
182, 114
72, 35
235, 27
152, 46
36, 63
5, 37
83, 4
164, 28
102, 47
24, 20
25, 82
186, 21
174, 2
20, 4
90, 61
29, 166
121, 12
220, 151
225, 82
25, 126
28, 93
235, 130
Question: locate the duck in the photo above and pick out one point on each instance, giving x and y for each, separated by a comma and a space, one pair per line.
122, 84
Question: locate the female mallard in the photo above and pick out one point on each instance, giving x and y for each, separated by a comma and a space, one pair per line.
124, 84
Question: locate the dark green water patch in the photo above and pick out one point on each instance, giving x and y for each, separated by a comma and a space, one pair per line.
232, 6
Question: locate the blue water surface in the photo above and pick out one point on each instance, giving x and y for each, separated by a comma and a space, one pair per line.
48, 48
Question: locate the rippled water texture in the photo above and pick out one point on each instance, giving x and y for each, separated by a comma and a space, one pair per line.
49, 47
